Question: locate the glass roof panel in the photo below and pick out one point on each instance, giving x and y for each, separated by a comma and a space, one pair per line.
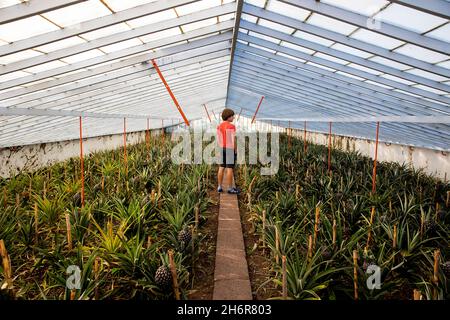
441, 33
288, 10
320, 66
296, 47
119, 5
378, 84
121, 45
350, 50
275, 26
313, 38
330, 58
365, 69
390, 63
152, 18
262, 48
83, 56
53, 46
445, 64
22, 55
226, 17
243, 42
376, 39
264, 37
350, 75
13, 75
161, 34
402, 16
77, 13
428, 75
103, 32
7, 3
394, 78
259, 3
249, 18
46, 66
419, 86
20, 29
366, 7
199, 24
421, 53
331, 24
290, 57
197, 6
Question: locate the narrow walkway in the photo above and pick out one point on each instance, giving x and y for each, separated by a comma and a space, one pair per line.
231, 279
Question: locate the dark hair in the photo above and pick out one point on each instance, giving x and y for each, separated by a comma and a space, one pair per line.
226, 113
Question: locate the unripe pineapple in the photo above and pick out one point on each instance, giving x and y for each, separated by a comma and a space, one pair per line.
431, 226
163, 277
184, 237
77, 199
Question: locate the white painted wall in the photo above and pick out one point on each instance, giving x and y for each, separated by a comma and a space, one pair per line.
435, 163
32, 157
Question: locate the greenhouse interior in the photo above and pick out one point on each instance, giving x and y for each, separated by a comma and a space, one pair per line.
224, 150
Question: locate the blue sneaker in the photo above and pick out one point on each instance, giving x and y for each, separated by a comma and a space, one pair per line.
219, 189
234, 190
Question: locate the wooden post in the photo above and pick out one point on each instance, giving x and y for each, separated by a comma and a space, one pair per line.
374, 174
149, 241
36, 224
173, 270
97, 264
69, 232
334, 232
277, 245
310, 241
369, 236
422, 223
264, 228
297, 191
436, 272
316, 226
417, 294
355, 273
283, 262
304, 138
447, 201
6, 264
394, 241
196, 212
81, 162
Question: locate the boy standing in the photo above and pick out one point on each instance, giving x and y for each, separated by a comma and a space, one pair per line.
226, 137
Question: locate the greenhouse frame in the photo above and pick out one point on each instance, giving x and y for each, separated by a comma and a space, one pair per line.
346, 84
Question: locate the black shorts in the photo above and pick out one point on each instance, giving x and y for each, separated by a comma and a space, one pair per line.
228, 158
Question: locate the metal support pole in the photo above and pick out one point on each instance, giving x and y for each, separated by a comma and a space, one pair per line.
170, 92
207, 113
329, 150
81, 162
374, 175
257, 109
125, 145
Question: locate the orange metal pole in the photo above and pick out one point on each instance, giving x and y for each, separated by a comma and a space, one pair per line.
81, 162
125, 145
329, 150
257, 109
239, 116
304, 136
170, 92
207, 113
374, 175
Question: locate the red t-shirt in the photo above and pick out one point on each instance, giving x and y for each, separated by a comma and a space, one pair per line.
226, 132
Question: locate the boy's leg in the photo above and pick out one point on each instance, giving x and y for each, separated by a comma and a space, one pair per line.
220, 176
229, 177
